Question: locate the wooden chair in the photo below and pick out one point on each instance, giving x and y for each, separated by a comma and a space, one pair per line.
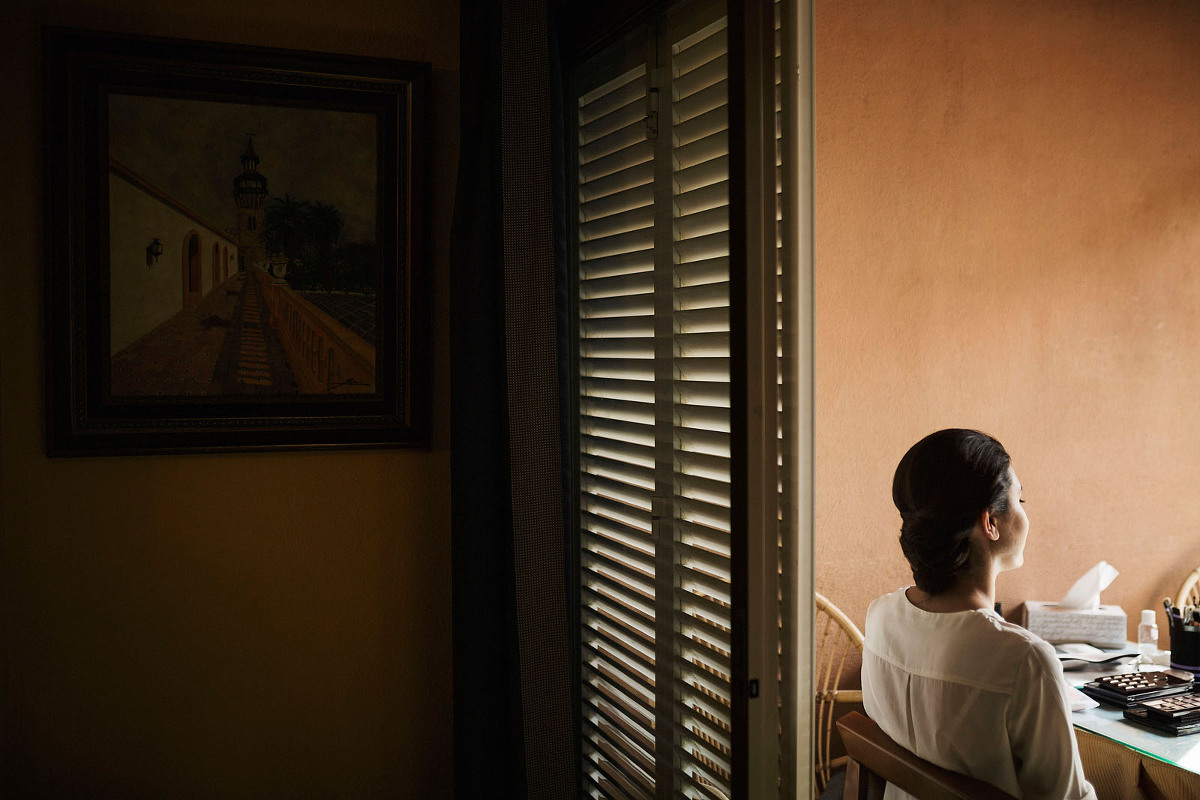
875, 759
838, 645
1189, 592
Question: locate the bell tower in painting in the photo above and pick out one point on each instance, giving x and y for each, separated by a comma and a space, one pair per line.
250, 194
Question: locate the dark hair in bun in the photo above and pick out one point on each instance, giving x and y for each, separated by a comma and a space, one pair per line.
941, 486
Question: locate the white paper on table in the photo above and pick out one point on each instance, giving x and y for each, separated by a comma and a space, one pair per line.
1079, 700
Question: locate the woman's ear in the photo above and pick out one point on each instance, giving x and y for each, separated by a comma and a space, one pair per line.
988, 521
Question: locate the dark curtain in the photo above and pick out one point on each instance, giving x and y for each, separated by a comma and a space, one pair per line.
514, 720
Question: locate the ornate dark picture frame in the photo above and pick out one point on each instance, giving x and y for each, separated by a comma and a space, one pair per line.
236, 255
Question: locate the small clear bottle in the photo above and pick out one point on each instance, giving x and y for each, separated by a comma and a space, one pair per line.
1147, 638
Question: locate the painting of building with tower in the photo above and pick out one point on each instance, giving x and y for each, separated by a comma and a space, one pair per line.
224, 283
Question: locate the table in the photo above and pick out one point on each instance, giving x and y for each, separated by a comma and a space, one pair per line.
1125, 761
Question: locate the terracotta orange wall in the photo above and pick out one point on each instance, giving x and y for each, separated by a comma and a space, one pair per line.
260, 625
1008, 238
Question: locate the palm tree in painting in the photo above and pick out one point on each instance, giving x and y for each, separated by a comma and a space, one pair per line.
325, 225
284, 228
357, 266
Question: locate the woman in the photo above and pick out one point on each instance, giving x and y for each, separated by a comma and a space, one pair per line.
943, 674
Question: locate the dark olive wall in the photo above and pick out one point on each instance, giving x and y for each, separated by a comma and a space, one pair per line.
245, 625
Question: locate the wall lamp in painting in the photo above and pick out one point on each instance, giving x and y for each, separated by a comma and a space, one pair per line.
153, 251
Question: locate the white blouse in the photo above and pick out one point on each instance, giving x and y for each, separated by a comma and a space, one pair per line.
974, 694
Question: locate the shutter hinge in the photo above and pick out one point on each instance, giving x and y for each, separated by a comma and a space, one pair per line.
752, 687
657, 79
652, 113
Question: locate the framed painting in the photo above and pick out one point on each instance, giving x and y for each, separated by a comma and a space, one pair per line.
236, 250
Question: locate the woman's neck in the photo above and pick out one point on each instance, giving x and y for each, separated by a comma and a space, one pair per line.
969, 593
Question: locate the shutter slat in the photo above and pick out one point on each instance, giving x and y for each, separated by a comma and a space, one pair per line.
706, 124
631, 391
702, 369
712, 343
602, 788
602, 100
704, 538
624, 347
633, 154
631, 574
630, 410
623, 129
613, 739
704, 629
699, 440
618, 182
713, 195
711, 147
706, 173
702, 393
702, 584
704, 514
704, 465
616, 548
626, 327
610, 509
697, 77
705, 668
703, 665
712, 244
707, 485
621, 674
616, 775
620, 490
638, 261
629, 626
632, 702
694, 50
636, 196
625, 696
710, 97
619, 550
706, 270
630, 369
608, 591
624, 475
619, 234
616, 639
700, 320
705, 295
712, 709
704, 418
710, 222
602, 227
700, 763
711, 608
630, 743
637, 240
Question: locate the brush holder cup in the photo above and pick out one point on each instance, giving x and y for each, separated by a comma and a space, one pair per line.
1185, 645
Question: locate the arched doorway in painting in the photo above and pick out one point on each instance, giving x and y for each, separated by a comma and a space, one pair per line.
216, 266
224, 264
192, 269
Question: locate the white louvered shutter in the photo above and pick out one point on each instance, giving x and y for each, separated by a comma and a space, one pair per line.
616, 378
654, 418
701, 407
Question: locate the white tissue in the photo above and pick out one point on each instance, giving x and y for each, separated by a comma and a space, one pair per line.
1085, 594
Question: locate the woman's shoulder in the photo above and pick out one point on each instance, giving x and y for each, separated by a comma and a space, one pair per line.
1016, 642
976, 648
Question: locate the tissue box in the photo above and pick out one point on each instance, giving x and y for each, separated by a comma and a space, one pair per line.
1102, 627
